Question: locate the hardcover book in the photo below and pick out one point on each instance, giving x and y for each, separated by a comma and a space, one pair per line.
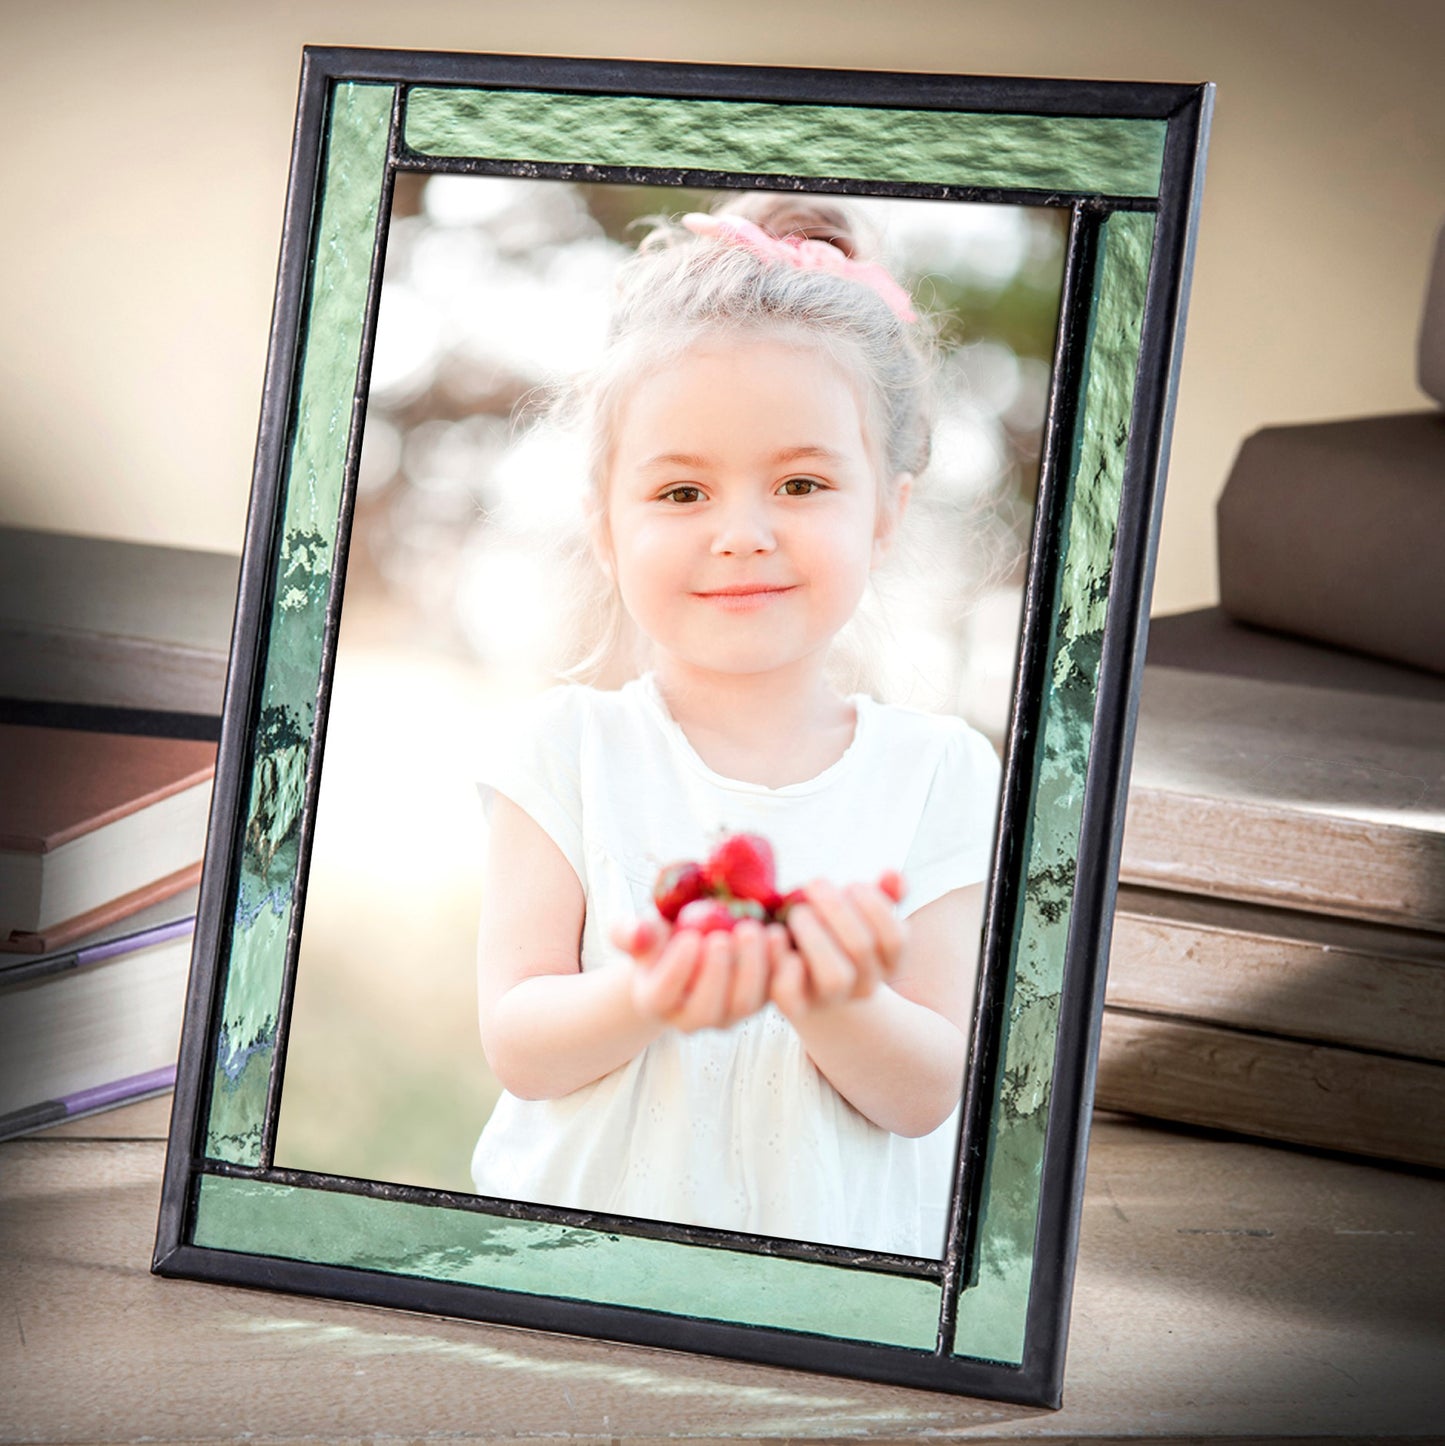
100, 622
94, 824
95, 1025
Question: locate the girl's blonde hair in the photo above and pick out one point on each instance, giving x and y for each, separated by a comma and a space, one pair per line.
681, 288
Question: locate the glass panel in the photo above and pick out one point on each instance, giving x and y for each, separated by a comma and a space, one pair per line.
354, 171
943, 148
992, 1314
401, 1238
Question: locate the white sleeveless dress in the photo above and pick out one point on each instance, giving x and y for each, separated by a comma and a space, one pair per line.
734, 1129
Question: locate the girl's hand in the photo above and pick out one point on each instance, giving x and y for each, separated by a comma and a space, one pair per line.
840, 944
694, 981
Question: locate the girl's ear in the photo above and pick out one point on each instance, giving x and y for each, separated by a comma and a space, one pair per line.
597, 537
890, 515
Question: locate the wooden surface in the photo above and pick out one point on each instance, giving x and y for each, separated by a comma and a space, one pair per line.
1283, 1089
1207, 640
1296, 797
1303, 976
1225, 1291
1311, 1028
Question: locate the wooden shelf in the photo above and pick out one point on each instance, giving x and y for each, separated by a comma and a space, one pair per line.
1226, 1291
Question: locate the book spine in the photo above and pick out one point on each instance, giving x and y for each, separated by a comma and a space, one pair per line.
95, 953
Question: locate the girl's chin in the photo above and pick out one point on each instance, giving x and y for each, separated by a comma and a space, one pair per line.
741, 663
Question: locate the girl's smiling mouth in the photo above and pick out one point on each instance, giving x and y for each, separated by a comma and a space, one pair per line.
745, 596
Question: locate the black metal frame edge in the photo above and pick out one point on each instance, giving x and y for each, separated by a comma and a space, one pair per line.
196, 1060
764, 1345
682, 80
421, 163
1115, 715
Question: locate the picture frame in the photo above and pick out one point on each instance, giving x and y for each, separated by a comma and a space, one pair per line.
1123, 163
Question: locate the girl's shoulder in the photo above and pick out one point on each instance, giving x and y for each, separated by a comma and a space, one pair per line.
549, 724
934, 733
566, 712
909, 742
559, 700
561, 706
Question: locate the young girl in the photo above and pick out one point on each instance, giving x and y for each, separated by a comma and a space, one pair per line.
756, 424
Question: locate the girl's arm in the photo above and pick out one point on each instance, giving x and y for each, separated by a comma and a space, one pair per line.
547, 1027
896, 1054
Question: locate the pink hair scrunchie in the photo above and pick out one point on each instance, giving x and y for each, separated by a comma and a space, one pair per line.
803, 254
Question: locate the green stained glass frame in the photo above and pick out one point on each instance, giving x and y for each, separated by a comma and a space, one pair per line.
1126, 162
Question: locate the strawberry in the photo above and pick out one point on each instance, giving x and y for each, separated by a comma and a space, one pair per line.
743, 867
706, 916
677, 885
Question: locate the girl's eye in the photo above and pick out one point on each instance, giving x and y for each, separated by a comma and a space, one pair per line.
683, 493
801, 486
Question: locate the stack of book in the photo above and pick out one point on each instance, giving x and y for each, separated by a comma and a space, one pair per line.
103, 812
1278, 958
1278, 964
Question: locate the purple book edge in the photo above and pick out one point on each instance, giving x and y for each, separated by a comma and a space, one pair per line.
87, 1102
158, 934
23, 968
114, 1093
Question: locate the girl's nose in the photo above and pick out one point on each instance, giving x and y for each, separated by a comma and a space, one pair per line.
743, 528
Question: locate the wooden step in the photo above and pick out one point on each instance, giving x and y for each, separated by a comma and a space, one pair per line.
1297, 797
1310, 977
1282, 1089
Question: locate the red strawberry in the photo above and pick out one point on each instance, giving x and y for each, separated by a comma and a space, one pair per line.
676, 885
706, 916
743, 867
891, 882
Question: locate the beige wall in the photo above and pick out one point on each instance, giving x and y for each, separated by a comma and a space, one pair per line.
147, 148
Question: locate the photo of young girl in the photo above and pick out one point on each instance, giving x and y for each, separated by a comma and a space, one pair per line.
757, 420
689, 539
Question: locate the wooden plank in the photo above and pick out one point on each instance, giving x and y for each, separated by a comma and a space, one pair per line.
1298, 797
1329, 1098
1303, 976
1225, 1292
